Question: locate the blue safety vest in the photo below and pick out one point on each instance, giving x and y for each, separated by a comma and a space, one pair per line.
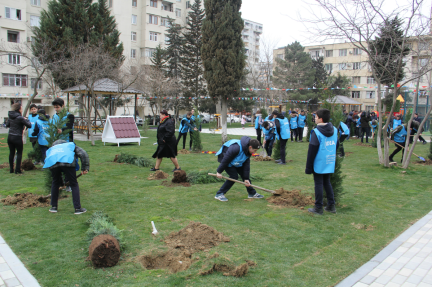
184, 128
325, 159
268, 119
293, 123
240, 158
301, 121
284, 129
56, 118
257, 125
358, 123
61, 153
373, 126
400, 136
267, 133
33, 121
42, 135
396, 123
345, 129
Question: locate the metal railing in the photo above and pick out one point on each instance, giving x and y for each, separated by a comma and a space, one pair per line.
81, 127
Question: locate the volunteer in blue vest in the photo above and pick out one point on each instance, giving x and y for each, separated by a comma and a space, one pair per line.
234, 158
41, 126
397, 121
344, 133
301, 122
282, 129
58, 105
63, 157
186, 124
258, 127
373, 125
269, 136
321, 160
33, 117
398, 135
293, 125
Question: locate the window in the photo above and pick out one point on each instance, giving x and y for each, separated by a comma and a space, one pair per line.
12, 80
247, 24
188, 5
342, 66
370, 80
134, 19
356, 51
153, 3
14, 59
12, 13
167, 40
149, 52
423, 62
133, 36
178, 12
34, 21
356, 80
370, 94
329, 67
110, 3
357, 66
35, 2
33, 81
329, 53
13, 36
133, 53
355, 95
280, 56
416, 75
134, 3
153, 36
167, 7
165, 22
342, 52
153, 19
423, 46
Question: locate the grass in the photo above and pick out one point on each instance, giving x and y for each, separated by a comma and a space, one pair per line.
290, 246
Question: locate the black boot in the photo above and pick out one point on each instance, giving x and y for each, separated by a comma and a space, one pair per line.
391, 159
330, 208
316, 210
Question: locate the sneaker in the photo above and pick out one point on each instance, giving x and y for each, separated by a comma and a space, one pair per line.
282, 163
221, 197
175, 169
424, 142
68, 189
278, 161
330, 208
153, 169
316, 210
53, 209
80, 210
257, 195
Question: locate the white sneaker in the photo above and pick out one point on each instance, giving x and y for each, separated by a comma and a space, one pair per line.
68, 189
257, 195
221, 197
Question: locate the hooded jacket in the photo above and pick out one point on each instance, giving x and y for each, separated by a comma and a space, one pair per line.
36, 128
16, 123
230, 153
327, 130
364, 120
79, 153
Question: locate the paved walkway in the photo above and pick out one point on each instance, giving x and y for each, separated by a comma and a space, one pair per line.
12, 272
406, 262
239, 131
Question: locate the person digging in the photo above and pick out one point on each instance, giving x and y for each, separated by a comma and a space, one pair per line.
234, 158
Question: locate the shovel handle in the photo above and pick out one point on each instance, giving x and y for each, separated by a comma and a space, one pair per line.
402, 147
67, 183
241, 182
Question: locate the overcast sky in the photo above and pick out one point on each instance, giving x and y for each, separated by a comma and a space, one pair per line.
280, 18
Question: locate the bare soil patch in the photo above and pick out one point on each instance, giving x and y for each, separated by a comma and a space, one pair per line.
360, 226
171, 184
104, 251
427, 162
183, 151
290, 198
363, 144
4, 165
158, 175
179, 176
347, 154
28, 165
27, 200
116, 158
262, 158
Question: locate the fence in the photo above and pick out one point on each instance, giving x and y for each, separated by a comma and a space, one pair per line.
81, 127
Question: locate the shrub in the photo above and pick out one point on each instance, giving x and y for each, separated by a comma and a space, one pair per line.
135, 160
100, 223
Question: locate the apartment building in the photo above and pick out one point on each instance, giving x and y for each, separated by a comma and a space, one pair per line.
251, 35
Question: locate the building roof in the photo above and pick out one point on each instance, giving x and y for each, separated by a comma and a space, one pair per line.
124, 127
103, 86
342, 100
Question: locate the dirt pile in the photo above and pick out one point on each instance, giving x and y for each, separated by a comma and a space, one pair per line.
4, 165
183, 151
229, 270
104, 251
427, 162
158, 175
27, 200
171, 184
262, 158
179, 176
290, 198
28, 165
116, 158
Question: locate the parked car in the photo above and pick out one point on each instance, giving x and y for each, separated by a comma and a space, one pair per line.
205, 119
139, 121
233, 119
248, 119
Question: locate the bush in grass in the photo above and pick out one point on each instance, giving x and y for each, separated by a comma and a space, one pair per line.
35, 154
310, 125
196, 136
135, 160
202, 177
48, 180
276, 150
100, 223
336, 180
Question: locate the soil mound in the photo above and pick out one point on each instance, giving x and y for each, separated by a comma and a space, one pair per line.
28, 165
183, 151
158, 175
171, 184
230, 270
427, 162
262, 158
4, 165
104, 251
116, 158
27, 200
179, 176
174, 260
290, 198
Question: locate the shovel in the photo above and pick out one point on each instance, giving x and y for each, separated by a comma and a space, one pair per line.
254, 186
421, 158
263, 153
67, 183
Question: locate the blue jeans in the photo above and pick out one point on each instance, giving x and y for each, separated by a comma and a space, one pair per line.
233, 172
323, 181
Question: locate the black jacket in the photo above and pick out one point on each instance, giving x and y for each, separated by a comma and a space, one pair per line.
230, 153
327, 130
36, 128
349, 119
277, 123
166, 132
16, 123
364, 120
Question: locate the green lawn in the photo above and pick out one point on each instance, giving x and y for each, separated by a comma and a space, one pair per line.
290, 246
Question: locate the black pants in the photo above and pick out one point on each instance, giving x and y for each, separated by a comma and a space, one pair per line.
269, 146
33, 141
233, 172
294, 134
259, 132
365, 131
43, 149
413, 133
341, 147
322, 181
70, 174
15, 143
191, 140
283, 144
397, 150
184, 135
300, 133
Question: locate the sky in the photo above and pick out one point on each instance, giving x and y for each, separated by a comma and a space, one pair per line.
280, 18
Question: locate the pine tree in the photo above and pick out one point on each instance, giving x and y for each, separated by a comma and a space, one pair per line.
321, 75
173, 51
223, 51
310, 125
196, 135
159, 58
192, 77
336, 180
54, 126
276, 150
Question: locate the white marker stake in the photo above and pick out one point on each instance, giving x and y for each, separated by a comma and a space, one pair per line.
154, 229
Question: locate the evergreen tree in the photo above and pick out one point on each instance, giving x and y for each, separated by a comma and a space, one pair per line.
223, 51
173, 51
159, 58
336, 180
196, 135
54, 126
430, 150
192, 67
321, 75
340, 85
310, 125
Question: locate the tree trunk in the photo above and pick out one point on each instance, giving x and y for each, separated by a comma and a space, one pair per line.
35, 93
224, 111
379, 129
89, 125
405, 162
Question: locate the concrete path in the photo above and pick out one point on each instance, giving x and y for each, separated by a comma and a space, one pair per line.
12, 272
239, 131
405, 262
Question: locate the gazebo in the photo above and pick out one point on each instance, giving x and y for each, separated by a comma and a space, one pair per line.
344, 101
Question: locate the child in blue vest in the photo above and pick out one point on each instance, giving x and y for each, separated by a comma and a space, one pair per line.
282, 129
397, 121
399, 136
186, 124
269, 136
258, 127
321, 160
33, 117
344, 133
293, 125
40, 132
58, 105
62, 157
301, 122
234, 158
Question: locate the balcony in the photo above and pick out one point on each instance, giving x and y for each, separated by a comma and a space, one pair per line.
167, 6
